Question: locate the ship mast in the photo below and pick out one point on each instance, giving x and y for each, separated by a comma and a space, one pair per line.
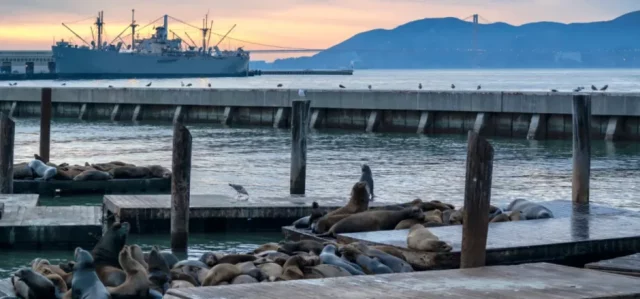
133, 29
204, 30
99, 24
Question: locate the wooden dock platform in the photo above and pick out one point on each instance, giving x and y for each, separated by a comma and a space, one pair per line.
213, 213
116, 186
626, 265
26, 225
6, 288
522, 281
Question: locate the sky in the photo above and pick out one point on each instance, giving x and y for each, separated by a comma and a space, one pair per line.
310, 24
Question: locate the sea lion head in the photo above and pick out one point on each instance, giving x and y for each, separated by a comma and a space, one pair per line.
329, 248
416, 213
156, 261
349, 252
83, 259
366, 169
209, 259
359, 192
316, 213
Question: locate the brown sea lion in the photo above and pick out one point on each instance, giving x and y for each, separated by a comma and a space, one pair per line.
179, 275
293, 268
106, 255
243, 279
158, 271
136, 253
93, 175
236, 258
407, 223
325, 223
270, 271
402, 206
433, 216
420, 238
390, 250
43, 267
456, 217
266, 247
516, 216
324, 271
31, 284
451, 207
181, 284
157, 171
108, 166
289, 247
210, 258
136, 283
358, 202
221, 273
373, 221
500, 218
129, 172
434, 205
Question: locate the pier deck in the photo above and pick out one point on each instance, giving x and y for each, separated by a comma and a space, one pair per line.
211, 213
116, 186
522, 281
627, 265
26, 225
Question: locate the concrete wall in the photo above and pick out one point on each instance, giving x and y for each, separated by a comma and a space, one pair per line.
494, 113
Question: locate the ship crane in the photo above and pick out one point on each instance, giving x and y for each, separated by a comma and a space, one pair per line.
225, 36
192, 42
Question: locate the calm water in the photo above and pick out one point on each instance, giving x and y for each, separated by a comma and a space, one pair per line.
405, 166
520, 80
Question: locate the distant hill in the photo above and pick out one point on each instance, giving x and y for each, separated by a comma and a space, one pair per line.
448, 43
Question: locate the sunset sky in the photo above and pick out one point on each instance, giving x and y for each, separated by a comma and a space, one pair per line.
33, 24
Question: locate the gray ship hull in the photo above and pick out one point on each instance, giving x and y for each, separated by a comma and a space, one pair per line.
86, 63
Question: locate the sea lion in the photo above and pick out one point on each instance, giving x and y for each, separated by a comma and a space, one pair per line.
369, 265
136, 253
45, 268
500, 218
373, 221
420, 238
158, 271
289, 247
137, 284
390, 250
270, 271
85, 282
181, 284
434, 205
358, 202
129, 172
221, 273
22, 171
367, 177
191, 263
157, 171
236, 258
306, 221
249, 268
243, 279
93, 175
325, 223
43, 171
407, 223
266, 247
402, 206
170, 258
106, 255
31, 284
324, 271
292, 269
433, 216
273, 255
396, 264
58, 283
456, 216
179, 275
328, 256
108, 166
530, 210
210, 258
446, 216
516, 216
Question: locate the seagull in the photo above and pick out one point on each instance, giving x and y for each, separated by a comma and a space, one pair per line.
280, 85
419, 85
341, 86
64, 84
209, 84
577, 89
110, 86
182, 83
189, 85
10, 84
149, 84
239, 189
554, 90
15, 83
479, 87
453, 86
593, 87
604, 88
369, 86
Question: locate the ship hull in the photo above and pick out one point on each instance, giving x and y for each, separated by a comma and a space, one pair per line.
86, 63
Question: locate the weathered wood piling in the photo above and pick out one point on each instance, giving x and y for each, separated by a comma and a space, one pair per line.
7, 136
299, 129
477, 197
180, 187
581, 148
45, 123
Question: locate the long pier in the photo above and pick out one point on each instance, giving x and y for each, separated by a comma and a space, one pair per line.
532, 115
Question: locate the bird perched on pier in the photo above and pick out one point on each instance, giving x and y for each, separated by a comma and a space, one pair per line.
604, 88
577, 89
593, 87
149, 84
189, 85
369, 86
453, 86
110, 86
239, 189
209, 84
554, 90
341, 86
479, 87
64, 84
367, 177
301, 93
182, 83
419, 85
280, 85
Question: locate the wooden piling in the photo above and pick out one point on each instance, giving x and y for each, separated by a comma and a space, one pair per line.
299, 128
581, 148
477, 197
45, 123
7, 135
180, 187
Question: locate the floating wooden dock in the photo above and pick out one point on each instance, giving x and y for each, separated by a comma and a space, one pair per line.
26, 225
116, 186
6, 288
570, 238
522, 281
211, 213
627, 265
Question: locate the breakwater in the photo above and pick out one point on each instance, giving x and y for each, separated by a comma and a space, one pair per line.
533, 115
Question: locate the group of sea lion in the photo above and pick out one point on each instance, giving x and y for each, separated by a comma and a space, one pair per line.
116, 270
37, 169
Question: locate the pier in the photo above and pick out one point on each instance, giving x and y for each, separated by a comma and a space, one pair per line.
531, 115
113, 186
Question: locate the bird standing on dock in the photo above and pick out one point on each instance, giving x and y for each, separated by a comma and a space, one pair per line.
301, 93
479, 87
189, 85
369, 86
577, 89
453, 86
110, 86
419, 85
149, 84
341, 86
64, 84
594, 88
209, 84
182, 83
554, 90
280, 85
242, 193
604, 88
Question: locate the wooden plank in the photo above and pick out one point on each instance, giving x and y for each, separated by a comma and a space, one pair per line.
116, 186
522, 281
629, 265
